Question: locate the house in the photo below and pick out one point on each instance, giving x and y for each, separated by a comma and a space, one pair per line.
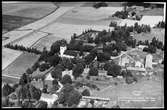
62, 50
148, 61
69, 72
49, 98
139, 64
141, 47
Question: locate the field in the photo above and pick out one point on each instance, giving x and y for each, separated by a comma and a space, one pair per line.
147, 20
65, 31
19, 65
15, 15
12, 22
8, 56
34, 10
89, 15
148, 89
110, 4
28, 41
158, 33
153, 12
46, 42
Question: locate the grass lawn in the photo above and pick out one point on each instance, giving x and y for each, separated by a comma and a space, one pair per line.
19, 66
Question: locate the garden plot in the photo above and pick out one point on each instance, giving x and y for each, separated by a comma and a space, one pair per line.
46, 42
28, 41
34, 10
19, 66
65, 31
8, 56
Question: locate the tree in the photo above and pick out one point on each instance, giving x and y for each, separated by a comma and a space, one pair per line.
35, 66
53, 60
114, 70
29, 71
93, 71
7, 89
74, 98
55, 47
89, 58
43, 67
65, 93
78, 69
66, 79
86, 92
101, 57
107, 65
57, 74
67, 63
23, 79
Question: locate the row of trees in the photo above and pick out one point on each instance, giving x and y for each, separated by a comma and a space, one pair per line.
161, 24
22, 48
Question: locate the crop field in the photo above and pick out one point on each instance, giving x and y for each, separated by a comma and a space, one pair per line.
19, 65
46, 42
15, 15
89, 15
158, 33
12, 22
34, 10
28, 41
65, 31
8, 56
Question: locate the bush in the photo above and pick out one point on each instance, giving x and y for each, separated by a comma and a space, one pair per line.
100, 4
161, 24
114, 70
113, 24
86, 92
93, 71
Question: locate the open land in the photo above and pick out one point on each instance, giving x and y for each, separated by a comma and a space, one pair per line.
19, 65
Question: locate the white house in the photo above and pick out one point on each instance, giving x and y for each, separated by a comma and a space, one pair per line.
141, 47
50, 99
148, 61
69, 73
139, 64
62, 50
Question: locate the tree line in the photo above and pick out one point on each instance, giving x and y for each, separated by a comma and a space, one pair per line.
22, 48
